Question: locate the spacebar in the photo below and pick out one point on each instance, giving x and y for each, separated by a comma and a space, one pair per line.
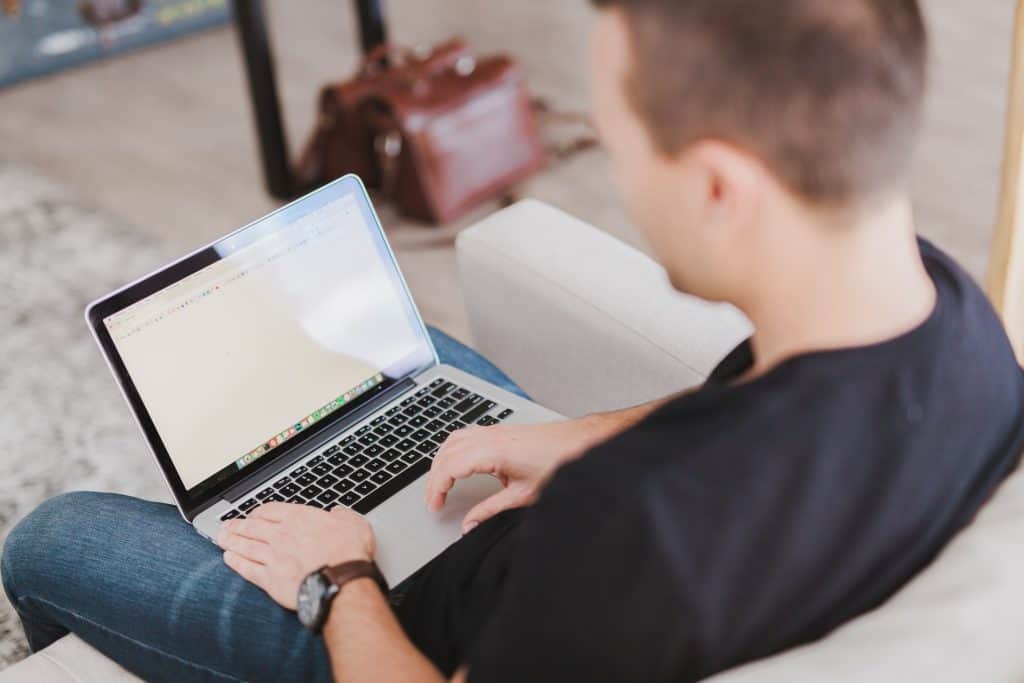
477, 413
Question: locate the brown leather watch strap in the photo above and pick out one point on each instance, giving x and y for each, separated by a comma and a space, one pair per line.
343, 573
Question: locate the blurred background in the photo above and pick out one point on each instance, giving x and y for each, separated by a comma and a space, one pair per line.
111, 168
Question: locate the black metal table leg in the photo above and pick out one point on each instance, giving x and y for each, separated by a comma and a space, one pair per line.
251, 25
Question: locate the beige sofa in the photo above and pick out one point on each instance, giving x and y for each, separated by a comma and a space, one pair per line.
586, 323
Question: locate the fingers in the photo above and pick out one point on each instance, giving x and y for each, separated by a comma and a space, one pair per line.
255, 528
460, 457
505, 499
250, 571
254, 551
275, 512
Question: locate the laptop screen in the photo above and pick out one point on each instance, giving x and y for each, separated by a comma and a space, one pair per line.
299, 318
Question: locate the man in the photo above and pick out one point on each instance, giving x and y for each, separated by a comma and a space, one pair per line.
764, 150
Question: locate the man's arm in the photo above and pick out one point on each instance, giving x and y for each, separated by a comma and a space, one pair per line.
366, 643
522, 456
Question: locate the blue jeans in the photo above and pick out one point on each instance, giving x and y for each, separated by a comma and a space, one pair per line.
135, 581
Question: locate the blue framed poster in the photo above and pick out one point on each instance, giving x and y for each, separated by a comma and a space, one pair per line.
40, 36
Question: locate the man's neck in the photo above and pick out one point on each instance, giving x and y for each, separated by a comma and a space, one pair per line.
849, 285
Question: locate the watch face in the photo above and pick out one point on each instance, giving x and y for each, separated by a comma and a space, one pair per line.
311, 600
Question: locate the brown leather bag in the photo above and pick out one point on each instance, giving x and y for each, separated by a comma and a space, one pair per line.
437, 133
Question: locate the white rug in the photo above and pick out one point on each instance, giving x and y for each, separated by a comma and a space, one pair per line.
63, 423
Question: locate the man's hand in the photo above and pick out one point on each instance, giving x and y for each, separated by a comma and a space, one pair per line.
522, 457
280, 544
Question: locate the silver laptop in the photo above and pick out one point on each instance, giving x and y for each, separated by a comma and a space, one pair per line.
288, 362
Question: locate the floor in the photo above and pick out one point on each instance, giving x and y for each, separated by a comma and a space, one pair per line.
163, 138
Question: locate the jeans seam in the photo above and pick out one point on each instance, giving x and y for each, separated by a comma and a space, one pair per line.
138, 643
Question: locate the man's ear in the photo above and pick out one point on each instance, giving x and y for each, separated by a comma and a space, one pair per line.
734, 183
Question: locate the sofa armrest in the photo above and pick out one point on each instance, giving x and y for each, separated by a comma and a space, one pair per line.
582, 321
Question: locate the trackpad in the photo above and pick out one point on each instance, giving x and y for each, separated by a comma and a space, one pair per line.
409, 535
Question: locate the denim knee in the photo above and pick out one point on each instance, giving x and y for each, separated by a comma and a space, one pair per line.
37, 539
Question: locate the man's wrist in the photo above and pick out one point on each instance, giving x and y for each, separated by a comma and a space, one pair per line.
358, 595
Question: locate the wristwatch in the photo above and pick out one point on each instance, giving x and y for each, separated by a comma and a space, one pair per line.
319, 589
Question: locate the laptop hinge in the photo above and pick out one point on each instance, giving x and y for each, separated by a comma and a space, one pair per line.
286, 461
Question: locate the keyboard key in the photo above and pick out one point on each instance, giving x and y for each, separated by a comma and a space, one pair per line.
328, 497
369, 439
295, 500
422, 392
289, 489
393, 410
412, 456
437, 382
347, 440
230, 514
449, 415
418, 421
426, 401
405, 445
359, 475
331, 451
377, 420
315, 503
327, 480
352, 448
426, 447
265, 493
315, 460
322, 469
435, 425
349, 499
420, 435
343, 470
310, 492
412, 411
248, 505
280, 483
336, 459
457, 425
373, 451
375, 464
468, 403
505, 414
479, 411
431, 412
396, 467
440, 437
388, 441
486, 421
381, 477
404, 430
299, 470
383, 430
358, 460
275, 498
446, 402
344, 486
362, 430
305, 480
390, 454
331, 506
366, 487
397, 420
460, 394
442, 390
408, 401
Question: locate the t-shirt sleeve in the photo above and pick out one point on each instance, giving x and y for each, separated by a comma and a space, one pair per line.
578, 603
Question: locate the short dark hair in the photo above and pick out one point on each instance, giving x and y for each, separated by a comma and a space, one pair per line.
828, 94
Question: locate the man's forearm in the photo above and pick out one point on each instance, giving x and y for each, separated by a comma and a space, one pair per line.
366, 643
603, 426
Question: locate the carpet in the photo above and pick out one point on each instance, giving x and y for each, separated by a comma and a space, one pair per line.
63, 422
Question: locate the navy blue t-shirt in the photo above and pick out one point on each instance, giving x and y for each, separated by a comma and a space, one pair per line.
747, 518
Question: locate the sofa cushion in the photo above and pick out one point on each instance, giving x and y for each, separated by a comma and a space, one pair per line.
69, 660
961, 619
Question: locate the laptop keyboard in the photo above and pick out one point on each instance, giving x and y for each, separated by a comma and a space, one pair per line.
381, 457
